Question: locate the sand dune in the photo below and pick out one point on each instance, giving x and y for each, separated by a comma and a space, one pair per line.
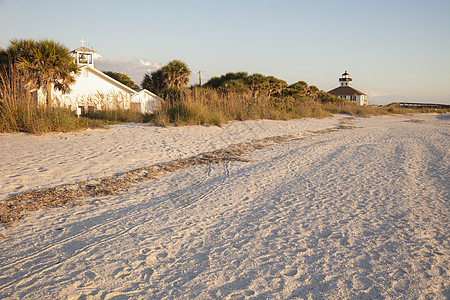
326, 214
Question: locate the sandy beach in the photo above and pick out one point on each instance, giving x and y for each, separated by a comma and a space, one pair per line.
359, 211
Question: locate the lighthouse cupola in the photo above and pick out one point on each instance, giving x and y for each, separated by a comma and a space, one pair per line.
345, 80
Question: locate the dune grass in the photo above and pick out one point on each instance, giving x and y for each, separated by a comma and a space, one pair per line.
19, 111
23, 117
115, 116
111, 107
371, 110
203, 106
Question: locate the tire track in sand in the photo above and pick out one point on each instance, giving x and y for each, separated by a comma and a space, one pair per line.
231, 153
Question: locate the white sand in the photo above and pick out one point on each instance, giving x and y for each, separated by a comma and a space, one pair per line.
351, 214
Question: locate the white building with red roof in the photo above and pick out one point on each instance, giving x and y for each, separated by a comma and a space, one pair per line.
345, 91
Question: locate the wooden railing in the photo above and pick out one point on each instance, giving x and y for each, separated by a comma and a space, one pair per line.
418, 105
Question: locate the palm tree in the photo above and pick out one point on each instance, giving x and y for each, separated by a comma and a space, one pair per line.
257, 83
10, 56
17, 49
48, 63
275, 85
176, 74
312, 92
154, 81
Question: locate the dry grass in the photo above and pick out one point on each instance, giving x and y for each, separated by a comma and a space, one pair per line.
366, 111
204, 106
19, 111
196, 106
111, 107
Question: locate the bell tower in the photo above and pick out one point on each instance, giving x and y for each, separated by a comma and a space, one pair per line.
345, 80
83, 56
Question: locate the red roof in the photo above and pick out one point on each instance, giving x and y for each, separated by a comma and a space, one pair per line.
345, 91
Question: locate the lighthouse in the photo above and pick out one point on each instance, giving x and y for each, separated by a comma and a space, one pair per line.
345, 91
345, 80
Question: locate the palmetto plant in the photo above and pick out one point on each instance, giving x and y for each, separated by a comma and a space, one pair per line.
48, 63
176, 74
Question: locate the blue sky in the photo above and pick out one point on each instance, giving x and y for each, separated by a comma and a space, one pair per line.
394, 50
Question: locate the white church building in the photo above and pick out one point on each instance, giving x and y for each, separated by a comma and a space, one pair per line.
345, 91
94, 90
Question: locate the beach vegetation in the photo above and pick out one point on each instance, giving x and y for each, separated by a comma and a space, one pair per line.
240, 96
173, 75
176, 74
153, 81
208, 106
19, 111
28, 66
111, 107
47, 63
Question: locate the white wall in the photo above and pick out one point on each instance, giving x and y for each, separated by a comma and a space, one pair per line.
149, 103
359, 99
91, 89
362, 100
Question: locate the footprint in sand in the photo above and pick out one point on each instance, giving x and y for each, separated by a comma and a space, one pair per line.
400, 285
245, 199
161, 255
324, 234
146, 274
89, 274
156, 256
361, 283
289, 271
436, 271
121, 272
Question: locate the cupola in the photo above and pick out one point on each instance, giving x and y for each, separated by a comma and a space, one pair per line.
345, 80
83, 56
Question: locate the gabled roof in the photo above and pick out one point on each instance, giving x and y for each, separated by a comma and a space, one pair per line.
118, 84
83, 49
140, 91
109, 79
345, 91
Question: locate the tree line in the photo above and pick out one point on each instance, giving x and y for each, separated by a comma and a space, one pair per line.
175, 75
257, 85
48, 65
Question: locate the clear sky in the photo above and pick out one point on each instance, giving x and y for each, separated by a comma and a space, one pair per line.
395, 50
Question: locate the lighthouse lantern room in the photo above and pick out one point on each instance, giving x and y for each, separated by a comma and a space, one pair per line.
345, 80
